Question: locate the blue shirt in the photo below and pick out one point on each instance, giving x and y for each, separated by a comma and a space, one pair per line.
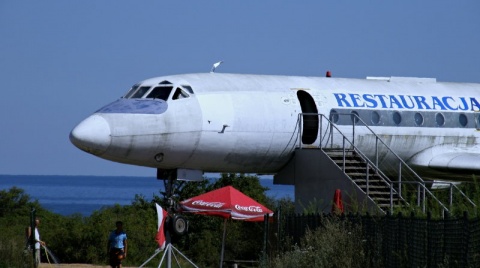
116, 240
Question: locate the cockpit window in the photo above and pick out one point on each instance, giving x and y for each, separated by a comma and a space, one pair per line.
179, 94
131, 91
140, 92
188, 88
160, 93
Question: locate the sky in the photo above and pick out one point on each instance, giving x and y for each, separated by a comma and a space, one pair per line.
60, 60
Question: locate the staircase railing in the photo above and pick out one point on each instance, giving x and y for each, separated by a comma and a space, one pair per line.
421, 198
330, 134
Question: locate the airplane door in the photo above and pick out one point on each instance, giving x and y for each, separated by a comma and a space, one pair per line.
310, 118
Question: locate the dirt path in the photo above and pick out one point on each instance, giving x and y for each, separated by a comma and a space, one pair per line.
75, 265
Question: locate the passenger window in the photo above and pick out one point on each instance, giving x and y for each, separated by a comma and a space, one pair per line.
418, 119
397, 118
462, 118
334, 116
160, 93
179, 94
375, 118
440, 120
140, 92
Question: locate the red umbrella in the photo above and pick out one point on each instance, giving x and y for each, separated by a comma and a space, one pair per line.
226, 202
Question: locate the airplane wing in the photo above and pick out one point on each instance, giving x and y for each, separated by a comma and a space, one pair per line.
459, 162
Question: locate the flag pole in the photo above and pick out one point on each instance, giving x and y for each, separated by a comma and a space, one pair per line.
223, 241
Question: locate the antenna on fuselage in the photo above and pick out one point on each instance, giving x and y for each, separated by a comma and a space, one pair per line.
215, 65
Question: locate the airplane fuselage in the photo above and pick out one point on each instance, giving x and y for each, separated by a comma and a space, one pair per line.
246, 123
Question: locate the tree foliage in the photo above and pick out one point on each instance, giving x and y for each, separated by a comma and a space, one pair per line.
79, 239
335, 244
15, 207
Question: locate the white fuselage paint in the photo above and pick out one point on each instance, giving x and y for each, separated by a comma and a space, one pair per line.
245, 123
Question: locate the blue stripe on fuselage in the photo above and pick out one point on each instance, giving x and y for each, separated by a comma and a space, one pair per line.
135, 106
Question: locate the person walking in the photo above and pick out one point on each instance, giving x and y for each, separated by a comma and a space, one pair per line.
117, 246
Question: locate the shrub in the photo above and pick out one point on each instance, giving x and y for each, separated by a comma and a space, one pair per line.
335, 244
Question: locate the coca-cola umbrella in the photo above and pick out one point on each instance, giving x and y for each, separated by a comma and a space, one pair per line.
226, 202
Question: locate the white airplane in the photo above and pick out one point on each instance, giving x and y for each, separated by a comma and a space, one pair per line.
215, 122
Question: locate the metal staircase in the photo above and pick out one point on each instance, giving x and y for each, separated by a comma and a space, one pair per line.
365, 176
385, 191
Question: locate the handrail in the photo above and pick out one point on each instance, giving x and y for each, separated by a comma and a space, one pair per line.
297, 125
377, 138
463, 194
363, 156
423, 198
379, 172
328, 137
453, 186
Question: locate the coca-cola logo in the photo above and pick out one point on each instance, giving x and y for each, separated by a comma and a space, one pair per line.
249, 208
208, 204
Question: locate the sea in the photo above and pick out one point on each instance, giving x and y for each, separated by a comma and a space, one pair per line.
67, 195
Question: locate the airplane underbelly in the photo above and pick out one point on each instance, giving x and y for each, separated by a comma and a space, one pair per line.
155, 150
256, 152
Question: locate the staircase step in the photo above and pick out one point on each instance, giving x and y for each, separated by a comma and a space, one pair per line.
340, 156
349, 162
356, 174
381, 194
376, 188
386, 205
358, 169
376, 182
347, 158
330, 150
371, 178
383, 199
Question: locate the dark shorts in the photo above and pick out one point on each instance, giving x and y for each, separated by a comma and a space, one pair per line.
116, 256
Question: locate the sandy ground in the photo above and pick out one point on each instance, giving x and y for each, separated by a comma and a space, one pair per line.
75, 265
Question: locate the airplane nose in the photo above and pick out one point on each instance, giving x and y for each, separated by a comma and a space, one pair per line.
92, 135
